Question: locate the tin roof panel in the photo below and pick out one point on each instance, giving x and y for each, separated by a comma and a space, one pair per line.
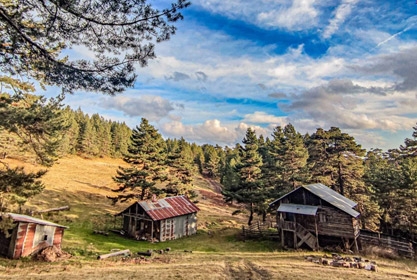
168, 207
298, 209
29, 219
334, 198
329, 195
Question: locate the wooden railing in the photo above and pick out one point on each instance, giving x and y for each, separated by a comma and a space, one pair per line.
288, 225
260, 230
402, 247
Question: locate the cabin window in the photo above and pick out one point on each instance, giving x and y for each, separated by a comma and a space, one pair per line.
45, 237
322, 217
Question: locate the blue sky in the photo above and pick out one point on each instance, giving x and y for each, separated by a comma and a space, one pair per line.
236, 64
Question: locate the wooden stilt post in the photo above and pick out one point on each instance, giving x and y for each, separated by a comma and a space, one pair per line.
317, 233
152, 231
295, 233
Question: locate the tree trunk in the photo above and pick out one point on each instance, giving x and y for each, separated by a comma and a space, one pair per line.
250, 215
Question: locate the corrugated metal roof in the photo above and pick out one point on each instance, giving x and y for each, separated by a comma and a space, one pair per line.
329, 195
29, 219
298, 209
334, 198
168, 207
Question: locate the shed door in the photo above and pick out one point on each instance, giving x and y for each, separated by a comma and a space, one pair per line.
44, 234
167, 227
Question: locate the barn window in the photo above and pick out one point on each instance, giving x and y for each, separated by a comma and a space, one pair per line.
45, 237
323, 217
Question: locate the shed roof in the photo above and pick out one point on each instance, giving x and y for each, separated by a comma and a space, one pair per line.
329, 195
168, 207
29, 219
298, 209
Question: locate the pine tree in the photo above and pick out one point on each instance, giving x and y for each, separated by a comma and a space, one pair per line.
70, 139
36, 126
383, 174
337, 160
88, 138
408, 197
212, 161
250, 190
410, 145
120, 35
180, 161
288, 156
120, 135
230, 178
146, 157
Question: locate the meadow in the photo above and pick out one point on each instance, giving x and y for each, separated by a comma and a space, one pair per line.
217, 251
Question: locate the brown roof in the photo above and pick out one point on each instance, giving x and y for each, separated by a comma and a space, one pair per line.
168, 207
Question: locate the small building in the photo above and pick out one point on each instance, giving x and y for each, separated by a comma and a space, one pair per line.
316, 216
163, 219
29, 236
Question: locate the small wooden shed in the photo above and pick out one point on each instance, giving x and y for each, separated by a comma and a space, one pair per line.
163, 219
29, 236
316, 215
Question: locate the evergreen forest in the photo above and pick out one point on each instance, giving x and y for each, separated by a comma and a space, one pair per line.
253, 173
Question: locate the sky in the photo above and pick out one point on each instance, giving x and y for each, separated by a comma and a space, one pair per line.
237, 64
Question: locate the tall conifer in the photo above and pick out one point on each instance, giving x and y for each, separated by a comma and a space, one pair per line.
146, 158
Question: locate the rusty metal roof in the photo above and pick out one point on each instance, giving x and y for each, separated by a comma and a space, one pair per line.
29, 219
168, 207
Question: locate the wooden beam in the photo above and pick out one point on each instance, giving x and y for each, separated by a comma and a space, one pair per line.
53, 209
123, 252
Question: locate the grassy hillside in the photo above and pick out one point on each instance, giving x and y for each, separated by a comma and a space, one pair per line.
217, 250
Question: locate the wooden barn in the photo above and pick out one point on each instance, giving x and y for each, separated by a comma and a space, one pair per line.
163, 219
315, 215
29, 236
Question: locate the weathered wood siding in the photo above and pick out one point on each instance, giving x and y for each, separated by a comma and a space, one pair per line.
330, 220
333, 222
31, 237
178, 227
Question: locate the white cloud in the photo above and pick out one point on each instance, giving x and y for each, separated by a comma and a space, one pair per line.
152, 108
344, 10
300, 15
292, 15
211, 132
262, 117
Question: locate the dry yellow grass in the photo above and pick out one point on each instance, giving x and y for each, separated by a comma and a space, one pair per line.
83, 185
253, 266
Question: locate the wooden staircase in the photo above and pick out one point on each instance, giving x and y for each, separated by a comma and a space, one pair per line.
305, 237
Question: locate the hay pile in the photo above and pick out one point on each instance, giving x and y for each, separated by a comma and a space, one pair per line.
52, 254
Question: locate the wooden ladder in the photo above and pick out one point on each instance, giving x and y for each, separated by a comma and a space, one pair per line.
306, 237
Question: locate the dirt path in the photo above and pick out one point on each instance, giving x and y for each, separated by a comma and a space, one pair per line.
214, 185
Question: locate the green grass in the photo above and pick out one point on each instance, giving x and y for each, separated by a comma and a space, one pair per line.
80, 240
218, 252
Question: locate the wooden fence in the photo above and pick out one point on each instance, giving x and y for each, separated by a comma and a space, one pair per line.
261, 230
399, 245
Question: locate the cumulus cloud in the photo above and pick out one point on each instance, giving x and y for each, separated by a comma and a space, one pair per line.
347, 105
152, 108
400, 65
262, 117
211, 132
